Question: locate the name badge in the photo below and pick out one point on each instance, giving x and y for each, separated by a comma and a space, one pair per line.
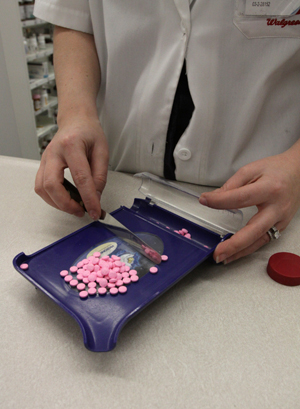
272, 8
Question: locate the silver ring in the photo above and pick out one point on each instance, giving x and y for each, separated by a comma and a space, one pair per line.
273, 233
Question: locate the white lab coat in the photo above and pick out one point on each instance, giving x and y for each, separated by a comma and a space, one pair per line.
246, 90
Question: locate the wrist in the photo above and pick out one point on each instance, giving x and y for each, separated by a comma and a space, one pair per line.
73, 114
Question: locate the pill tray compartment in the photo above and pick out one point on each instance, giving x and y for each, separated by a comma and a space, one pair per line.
101, 318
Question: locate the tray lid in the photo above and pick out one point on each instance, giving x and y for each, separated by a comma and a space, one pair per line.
185, 202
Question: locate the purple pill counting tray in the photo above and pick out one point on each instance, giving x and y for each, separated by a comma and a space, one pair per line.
166, 209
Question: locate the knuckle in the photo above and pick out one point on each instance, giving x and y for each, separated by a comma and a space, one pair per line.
80, 178
100, 180
66, 140
277, 188
265, 239
243, 171
48, 185
38, 190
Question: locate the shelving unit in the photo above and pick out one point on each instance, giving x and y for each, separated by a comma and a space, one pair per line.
45, 115
35, 127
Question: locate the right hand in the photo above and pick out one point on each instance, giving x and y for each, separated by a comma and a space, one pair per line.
81, 146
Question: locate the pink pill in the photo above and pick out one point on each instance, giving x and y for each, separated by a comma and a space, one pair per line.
24, 266
83, 294
85, 261
102, 290
63, 273
134, 278
92, 291
153, 270
125, 275
85, 280
73, 283
123, 289
112, 274
164, 257
113, 280
105, 271
80, 287
73, 269
119, 283
111, 285
184, 231
92, 285
126, 280
126, 268
114, 291
85, 273
103, 282
132, 272
80, 264
97, 254
96, 268
105, 258
79, 277
115, 258
68, 278
188, 236
92, 277
90, 267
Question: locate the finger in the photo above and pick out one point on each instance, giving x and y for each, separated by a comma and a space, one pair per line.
82, 176
244, 176
265, 239
244, 196
255, 229
53, 185
39, 184
99, 166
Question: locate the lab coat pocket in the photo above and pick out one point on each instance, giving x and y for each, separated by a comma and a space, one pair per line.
273, 18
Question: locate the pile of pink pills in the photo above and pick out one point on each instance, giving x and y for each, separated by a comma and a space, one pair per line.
183, 232
100, 275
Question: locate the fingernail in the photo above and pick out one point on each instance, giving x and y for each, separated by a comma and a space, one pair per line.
93, 215
220, 258
203, 201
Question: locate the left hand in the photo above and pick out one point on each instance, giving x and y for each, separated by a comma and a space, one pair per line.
273, 186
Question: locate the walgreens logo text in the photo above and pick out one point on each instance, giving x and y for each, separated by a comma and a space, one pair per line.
282, 23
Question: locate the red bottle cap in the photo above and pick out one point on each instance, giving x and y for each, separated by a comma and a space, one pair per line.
284, 268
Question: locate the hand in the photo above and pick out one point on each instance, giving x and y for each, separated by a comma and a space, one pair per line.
81, 146
272, 185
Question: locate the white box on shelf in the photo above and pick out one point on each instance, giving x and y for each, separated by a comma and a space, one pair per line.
38, 70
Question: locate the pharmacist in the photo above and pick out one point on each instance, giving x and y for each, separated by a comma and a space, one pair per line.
205, 92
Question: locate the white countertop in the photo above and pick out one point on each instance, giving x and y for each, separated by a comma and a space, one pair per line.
223, 337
